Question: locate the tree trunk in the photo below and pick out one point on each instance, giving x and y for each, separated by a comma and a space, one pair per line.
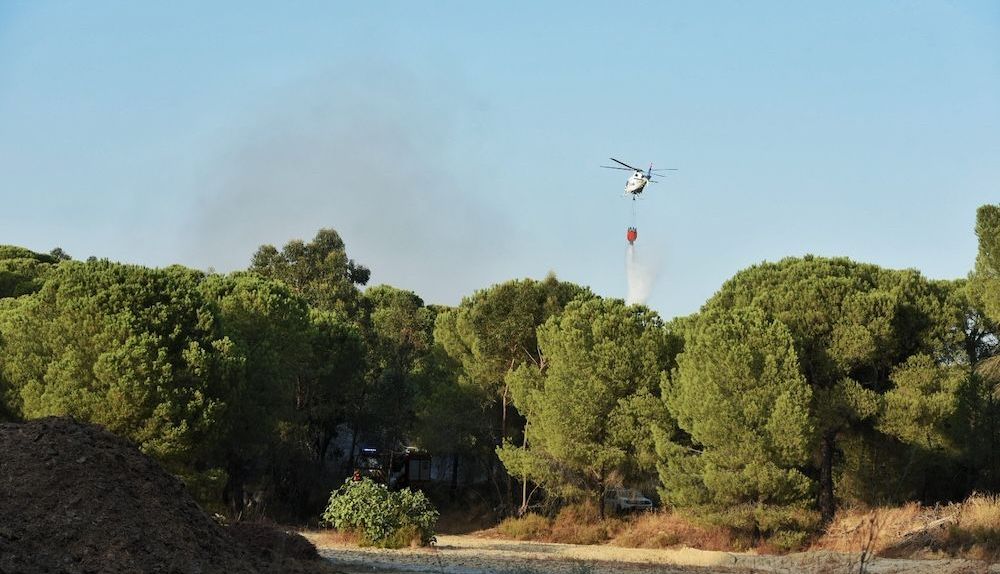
354, 445
454, 476
602, 489
826, 502
234, 491
503, 414
324, 447
600, 503
509, 500
524, 480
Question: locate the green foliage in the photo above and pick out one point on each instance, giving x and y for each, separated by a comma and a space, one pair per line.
493, 332
921, 409
133, 349
266, 327
985, 280
795, 377
397, 330
22, 271
448, 416
282, 393
980, 432
318, 271
588, 402
330, 384
381, 516
789, 540
216, 376
851, 325
333, 370
738, 394
490, 335
783, 527
8, 252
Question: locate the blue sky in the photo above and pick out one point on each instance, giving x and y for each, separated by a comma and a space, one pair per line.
457, 144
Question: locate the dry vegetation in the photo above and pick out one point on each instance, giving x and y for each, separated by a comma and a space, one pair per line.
669, 530
581, 524
970, 529
575, 524
331, 537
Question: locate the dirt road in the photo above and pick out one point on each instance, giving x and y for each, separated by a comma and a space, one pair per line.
471, 554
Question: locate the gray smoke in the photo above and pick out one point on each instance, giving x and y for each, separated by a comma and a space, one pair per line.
378, 156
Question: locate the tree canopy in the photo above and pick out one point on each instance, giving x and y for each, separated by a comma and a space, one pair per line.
22, 271
739, 395
800, 385
851, 325
985, 282
598, 371
319, 271
131, 348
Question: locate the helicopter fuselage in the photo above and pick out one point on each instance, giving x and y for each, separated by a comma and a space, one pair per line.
636, 183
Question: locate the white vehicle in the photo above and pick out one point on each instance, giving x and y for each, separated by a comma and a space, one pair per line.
626, 499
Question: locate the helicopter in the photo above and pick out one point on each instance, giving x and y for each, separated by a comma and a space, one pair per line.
638, 180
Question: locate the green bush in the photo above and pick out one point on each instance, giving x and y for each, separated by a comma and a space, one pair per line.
385, 518
783, 528
788, 540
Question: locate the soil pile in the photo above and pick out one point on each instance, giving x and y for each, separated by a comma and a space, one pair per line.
75, 498
279, 551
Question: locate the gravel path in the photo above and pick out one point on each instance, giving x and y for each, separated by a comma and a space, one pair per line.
471, 554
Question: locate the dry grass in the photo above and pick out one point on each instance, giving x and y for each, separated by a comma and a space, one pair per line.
582, 524
980, 511
969, 529
877, 528
976, 531
527, 527
575, 524
330, 537
668, 530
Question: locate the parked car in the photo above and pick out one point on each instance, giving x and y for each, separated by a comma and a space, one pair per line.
626, 499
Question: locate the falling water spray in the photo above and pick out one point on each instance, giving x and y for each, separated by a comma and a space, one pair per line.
640, 277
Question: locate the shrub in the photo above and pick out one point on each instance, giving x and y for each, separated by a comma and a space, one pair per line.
785, 527
381, 517
527, 527
665, 529
976, 531
575, 524
876, 529
788, 540
582, 524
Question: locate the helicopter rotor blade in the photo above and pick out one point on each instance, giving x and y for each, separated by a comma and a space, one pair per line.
625, 164
665, 169
616, 167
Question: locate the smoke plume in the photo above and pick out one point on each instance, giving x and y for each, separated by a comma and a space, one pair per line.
384, 166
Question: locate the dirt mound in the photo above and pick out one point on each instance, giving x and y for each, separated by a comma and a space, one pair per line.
272, 543
75, 498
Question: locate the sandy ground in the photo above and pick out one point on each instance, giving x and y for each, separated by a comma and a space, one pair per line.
471, 554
